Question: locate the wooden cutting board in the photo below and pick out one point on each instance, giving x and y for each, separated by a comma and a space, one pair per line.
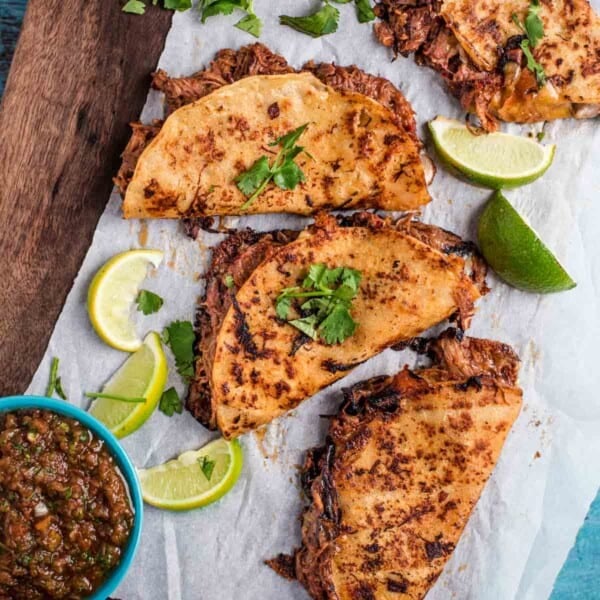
80, 74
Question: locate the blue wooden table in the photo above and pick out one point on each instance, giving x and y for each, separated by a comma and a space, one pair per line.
580, 577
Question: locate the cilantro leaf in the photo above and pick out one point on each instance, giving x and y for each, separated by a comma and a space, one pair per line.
282, 307
307, 325
534, 26
282, 171
337, 326
135, 7
323, 21
250, 24
170, 403
228, 281
327, 296
180, 337
207, 466
179, 5
54, 382
288, 176
251, 180
532, 64
364, 11
210, 8
148, 302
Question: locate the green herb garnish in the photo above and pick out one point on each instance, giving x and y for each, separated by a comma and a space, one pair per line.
323, 303
148, 302
180, 337
135, 7
364, 11
326, 19
323, 21
284, 172
228, 280
108, 396
170, 403
55, 383
251, 23
533, 27
207, 466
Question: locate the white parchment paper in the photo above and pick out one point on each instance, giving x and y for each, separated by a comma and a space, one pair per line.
528, 516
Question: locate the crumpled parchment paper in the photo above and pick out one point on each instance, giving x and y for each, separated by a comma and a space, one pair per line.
530, 511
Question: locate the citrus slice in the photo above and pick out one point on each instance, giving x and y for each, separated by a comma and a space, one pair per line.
194, 479
142, 375
516, 253
112, 293
494, 160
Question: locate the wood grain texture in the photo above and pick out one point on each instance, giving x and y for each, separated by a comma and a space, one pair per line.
79, 75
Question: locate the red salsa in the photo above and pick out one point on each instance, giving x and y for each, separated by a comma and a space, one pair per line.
65, 511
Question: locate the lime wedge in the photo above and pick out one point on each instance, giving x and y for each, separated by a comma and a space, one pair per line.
142, 375
112, 293
493, 160
516, 253
195, 479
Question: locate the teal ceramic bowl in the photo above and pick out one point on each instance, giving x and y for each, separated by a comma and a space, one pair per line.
127, 469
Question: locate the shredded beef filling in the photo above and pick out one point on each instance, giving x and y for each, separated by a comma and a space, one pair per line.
415, 27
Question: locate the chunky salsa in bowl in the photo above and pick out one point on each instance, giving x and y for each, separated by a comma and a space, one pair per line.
70, 504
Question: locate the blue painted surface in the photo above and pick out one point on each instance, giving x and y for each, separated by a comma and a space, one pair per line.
580, 576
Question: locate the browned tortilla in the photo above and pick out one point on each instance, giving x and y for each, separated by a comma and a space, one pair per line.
405, 462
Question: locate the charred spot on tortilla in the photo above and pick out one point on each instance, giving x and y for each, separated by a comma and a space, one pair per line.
483, 51
380, 142
240, 326
403, 465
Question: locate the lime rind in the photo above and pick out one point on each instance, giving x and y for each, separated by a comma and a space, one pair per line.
493, 160
143, 374
112, 293
187, 488
516, 253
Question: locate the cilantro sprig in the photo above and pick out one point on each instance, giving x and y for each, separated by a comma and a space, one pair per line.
251, 23
533, 27
326, 19
322, 303
283, 171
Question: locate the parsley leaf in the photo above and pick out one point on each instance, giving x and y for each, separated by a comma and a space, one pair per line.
135, 7
148, 302
284, 172
54, 383
364, 11
207, 466
250, 24
323, 21
180, 337
170, 403
534, 28
322, 303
